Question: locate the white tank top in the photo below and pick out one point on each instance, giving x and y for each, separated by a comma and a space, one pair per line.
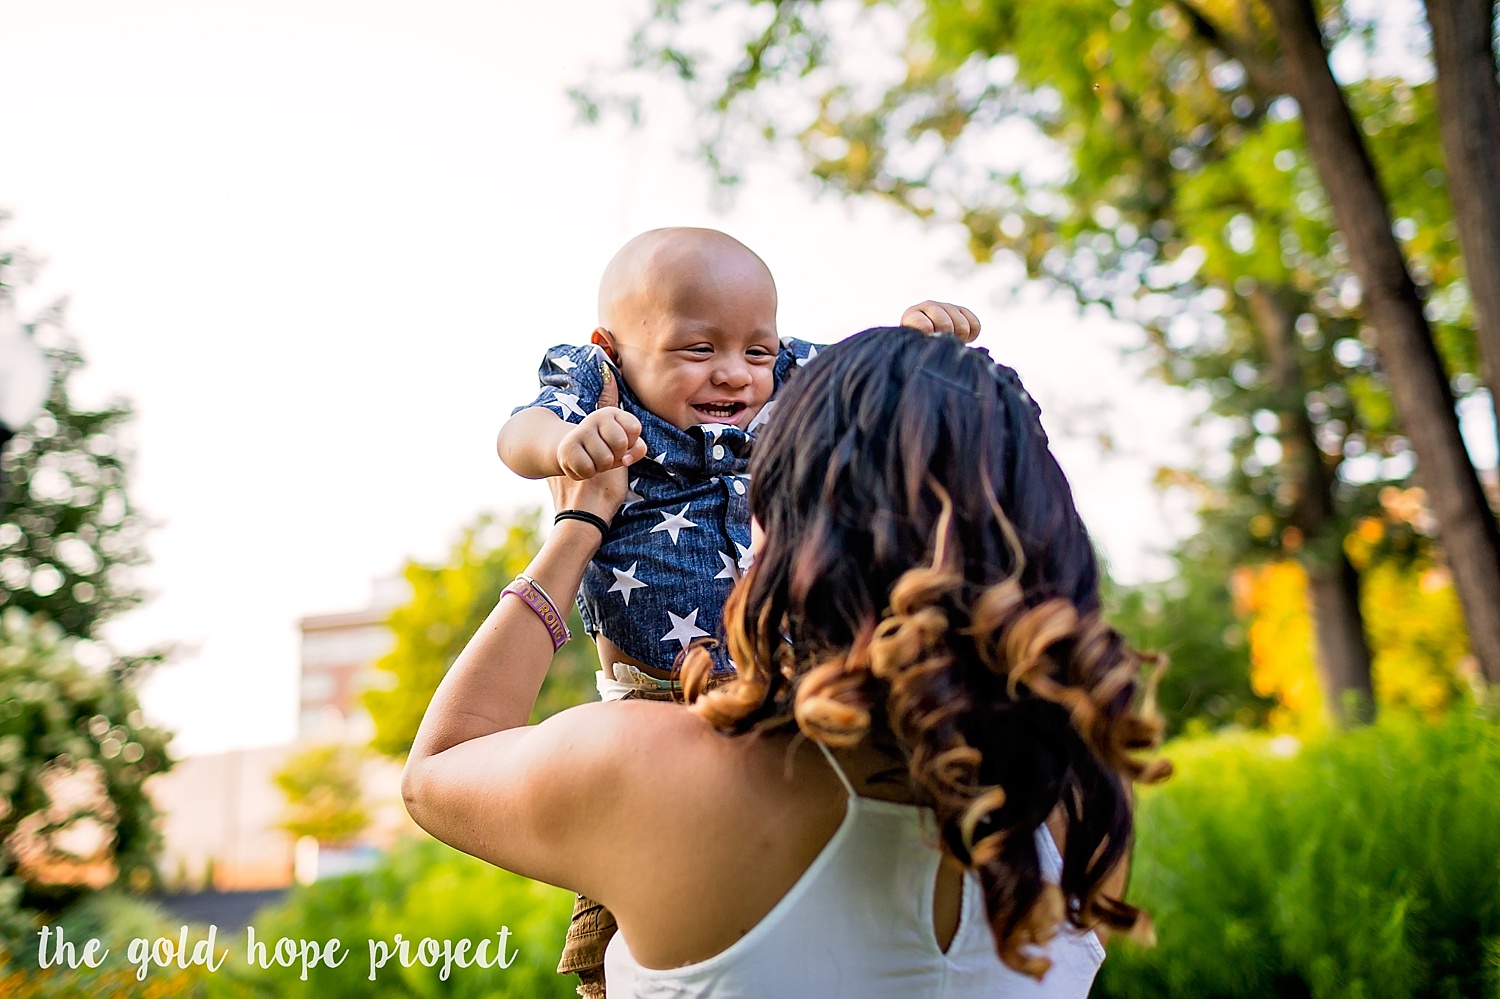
858, 925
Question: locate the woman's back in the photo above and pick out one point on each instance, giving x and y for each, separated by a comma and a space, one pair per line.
859, 923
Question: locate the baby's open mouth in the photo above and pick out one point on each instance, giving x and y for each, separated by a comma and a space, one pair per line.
720, 411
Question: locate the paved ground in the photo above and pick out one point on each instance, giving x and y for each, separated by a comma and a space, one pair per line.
228, 910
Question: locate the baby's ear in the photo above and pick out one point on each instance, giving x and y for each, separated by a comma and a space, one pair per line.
604, 338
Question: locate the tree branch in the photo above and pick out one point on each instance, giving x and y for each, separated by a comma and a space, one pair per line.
1266, 77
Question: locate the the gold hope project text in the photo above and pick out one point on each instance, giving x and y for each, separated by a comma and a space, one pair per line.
54, 950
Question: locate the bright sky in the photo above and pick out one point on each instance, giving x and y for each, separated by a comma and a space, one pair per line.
322, 244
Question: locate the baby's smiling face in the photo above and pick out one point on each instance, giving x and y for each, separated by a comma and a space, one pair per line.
690, 318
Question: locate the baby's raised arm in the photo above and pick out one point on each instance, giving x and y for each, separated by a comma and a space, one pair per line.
538, 444
528, 442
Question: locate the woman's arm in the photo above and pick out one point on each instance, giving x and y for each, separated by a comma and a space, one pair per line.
478, 777
494, 682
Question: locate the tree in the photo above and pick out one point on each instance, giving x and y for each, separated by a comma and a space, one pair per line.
74, 748
1463, 51
325, 799
68, 530
448, 604
75, 753
1409, 356
1178, 199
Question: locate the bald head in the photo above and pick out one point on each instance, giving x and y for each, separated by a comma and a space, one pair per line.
668, 271
689, 318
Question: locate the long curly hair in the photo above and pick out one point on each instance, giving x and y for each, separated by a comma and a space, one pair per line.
925, 582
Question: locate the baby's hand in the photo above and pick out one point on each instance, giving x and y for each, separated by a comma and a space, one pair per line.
607, 438
941, 317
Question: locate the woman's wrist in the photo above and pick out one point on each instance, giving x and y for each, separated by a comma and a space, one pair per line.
584, 516
560, 564
549, 584
588, 496
580, 538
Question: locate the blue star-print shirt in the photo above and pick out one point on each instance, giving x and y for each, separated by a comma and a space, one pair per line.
682, 537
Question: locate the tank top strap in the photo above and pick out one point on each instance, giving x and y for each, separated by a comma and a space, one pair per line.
843, 777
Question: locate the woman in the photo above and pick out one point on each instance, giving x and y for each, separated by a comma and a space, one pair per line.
925, 689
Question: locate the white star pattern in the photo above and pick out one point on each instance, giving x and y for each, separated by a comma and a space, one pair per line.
672, 523
565, 362
763, 416
567, 403
747, 557
730, 570
684, 629
812, 352
713, 430
626, 582
631, 496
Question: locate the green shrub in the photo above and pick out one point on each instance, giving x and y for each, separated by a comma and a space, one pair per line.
115, 918
1362, 865
422, 889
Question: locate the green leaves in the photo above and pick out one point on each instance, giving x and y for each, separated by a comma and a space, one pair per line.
68, 529
1140, 154
1360, 865
449, 602
324, 797
75, 753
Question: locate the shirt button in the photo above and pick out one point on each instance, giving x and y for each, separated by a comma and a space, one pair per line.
739, 487
718, 452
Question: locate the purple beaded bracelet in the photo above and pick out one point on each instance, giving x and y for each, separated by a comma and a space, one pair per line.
537, 599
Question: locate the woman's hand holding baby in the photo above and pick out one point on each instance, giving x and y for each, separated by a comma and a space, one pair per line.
941, 317
607, 438
602, 495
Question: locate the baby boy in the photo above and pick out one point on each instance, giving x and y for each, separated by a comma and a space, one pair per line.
687, 321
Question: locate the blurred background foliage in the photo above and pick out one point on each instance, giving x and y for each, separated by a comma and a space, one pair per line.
324, 797
448, 603
69, 533
75, 751
1359, 865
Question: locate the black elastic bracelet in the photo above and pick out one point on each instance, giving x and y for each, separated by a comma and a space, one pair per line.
586, 517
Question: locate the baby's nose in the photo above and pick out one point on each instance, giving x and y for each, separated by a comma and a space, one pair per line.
732, 373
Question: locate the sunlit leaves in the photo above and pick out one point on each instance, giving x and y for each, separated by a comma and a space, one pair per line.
68, 531
324, 796
448, 602
75, 753
1141, 154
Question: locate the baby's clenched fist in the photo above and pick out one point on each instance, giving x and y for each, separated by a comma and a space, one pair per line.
607, 438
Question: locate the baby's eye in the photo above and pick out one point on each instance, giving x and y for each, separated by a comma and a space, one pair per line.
701, 349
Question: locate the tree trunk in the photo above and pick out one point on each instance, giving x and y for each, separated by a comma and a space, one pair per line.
1343, 655
1469, 113
1338, 630
1408, 356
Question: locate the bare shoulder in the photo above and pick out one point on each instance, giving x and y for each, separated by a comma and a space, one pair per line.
554, 801
653, 772
655, 749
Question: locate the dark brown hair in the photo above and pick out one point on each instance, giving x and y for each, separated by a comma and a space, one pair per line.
925, 582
